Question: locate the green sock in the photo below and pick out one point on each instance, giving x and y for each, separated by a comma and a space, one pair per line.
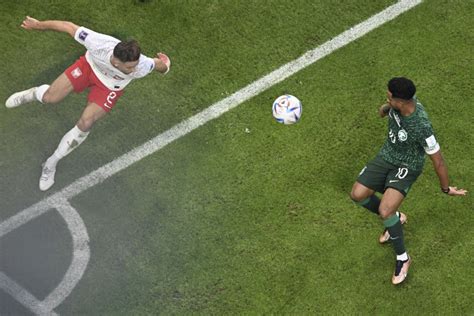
394, 227
371, 203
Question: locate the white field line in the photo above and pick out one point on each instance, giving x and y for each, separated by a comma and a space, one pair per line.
236, 99
59, 200
22, 296
208, 114
80, 256
77, 267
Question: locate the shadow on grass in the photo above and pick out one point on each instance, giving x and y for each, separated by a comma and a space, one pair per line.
50, 74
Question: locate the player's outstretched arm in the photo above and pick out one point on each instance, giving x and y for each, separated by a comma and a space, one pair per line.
442, 172
162, 63
30, 23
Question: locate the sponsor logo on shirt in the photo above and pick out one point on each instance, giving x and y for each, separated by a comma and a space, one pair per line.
76, 73
83, 35
117, 77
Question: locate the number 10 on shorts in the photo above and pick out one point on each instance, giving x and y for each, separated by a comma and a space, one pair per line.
402, 173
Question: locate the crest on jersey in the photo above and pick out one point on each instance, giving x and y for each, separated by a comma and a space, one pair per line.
76, 73
402, 135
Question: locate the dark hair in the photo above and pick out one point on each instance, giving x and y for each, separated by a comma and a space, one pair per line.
401, 88
127, 51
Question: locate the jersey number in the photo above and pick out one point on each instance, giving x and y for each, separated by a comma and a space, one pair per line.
402, 173
392, 137
110, 99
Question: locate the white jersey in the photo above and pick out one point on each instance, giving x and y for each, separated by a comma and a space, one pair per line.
100, 48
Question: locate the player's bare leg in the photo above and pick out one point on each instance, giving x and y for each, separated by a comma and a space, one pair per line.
366, 198
360, 192
58, 90
391, 201
91, 114
70, 141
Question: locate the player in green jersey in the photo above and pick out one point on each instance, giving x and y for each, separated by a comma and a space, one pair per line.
398, 165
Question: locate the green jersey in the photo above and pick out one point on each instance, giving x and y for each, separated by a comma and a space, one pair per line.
409, 138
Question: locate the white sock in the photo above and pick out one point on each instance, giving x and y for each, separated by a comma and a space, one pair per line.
403, 257
398, 214
40, 91
70, 141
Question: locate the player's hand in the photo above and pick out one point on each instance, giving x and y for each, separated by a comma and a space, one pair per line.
30, 23
384, 109
456, 191
165, 63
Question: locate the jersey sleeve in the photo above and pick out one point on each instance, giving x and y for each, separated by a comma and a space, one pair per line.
430, 144
93, 40
144, 67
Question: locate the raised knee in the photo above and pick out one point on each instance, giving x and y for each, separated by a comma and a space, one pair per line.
357, 194
85, 124
385, 212
353, 196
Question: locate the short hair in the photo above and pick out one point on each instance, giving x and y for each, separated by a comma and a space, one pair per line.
127, 51
401, 88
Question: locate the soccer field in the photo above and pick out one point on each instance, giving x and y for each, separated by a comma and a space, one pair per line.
241, 215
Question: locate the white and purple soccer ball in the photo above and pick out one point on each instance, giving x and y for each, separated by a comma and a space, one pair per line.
287, 109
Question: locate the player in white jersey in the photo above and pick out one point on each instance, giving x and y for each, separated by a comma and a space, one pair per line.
106, 69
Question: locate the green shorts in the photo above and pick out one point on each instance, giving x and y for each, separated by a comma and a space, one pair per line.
379, 175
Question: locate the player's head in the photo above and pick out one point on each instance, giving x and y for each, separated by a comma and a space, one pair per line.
126, 55
401, 88
127, 51
400, 92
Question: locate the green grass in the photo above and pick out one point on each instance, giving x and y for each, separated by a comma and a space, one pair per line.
228, 222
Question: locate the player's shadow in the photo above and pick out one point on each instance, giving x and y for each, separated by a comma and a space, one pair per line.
50, 74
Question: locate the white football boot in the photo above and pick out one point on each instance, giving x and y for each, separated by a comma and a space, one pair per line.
21, 97
47, 178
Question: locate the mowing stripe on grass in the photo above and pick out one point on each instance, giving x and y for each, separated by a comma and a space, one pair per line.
208, 114
59, 199
236, 99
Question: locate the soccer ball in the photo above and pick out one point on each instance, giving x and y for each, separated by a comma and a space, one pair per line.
287, 109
